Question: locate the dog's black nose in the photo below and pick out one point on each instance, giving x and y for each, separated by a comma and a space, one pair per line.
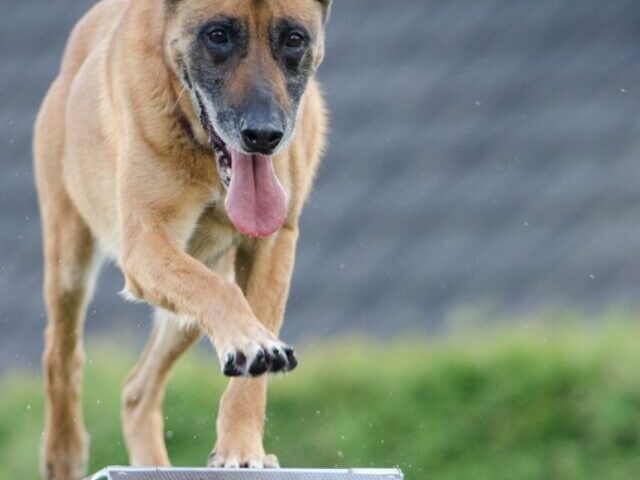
262, 140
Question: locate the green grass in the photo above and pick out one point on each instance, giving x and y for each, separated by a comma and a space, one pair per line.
539, 403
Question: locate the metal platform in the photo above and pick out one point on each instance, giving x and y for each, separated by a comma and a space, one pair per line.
128, 473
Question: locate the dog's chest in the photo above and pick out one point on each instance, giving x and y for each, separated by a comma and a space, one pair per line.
213, 235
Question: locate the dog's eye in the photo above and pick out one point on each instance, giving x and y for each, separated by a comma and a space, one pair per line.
295, 40
218, 37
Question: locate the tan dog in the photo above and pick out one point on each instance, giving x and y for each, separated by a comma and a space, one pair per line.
180, 139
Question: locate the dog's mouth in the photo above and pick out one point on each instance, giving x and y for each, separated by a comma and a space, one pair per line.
223, 156
256, 202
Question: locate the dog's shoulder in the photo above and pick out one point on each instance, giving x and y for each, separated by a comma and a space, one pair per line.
90, 31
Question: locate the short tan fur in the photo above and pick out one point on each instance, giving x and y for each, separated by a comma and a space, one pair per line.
125, 170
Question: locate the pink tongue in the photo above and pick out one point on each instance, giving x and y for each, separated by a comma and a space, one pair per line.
256, 203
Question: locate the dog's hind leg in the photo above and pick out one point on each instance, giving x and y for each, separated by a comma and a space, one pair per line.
69, 258
143, 393
69, 265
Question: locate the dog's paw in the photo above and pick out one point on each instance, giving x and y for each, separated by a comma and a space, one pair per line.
252, 359
237, 460
65, 461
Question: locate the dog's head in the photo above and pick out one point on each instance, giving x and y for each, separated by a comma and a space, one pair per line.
246, 64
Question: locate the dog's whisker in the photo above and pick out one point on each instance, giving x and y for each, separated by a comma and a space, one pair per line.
179, 97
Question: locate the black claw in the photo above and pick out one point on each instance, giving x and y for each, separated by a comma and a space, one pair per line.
245, 465
291, 358
241, 360
229, 360
259, 364
230, 368
278, 360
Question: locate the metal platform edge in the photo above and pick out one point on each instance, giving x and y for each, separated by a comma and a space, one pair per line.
379, 473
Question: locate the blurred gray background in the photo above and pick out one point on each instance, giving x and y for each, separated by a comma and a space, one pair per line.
483, 152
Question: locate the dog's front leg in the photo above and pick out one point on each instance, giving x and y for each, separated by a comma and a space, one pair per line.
159, 272
264, 273
159, 207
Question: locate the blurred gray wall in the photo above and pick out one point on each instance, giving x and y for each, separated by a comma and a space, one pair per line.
482, 152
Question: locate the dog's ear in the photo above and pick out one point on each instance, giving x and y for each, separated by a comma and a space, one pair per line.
326, 6
326, 11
